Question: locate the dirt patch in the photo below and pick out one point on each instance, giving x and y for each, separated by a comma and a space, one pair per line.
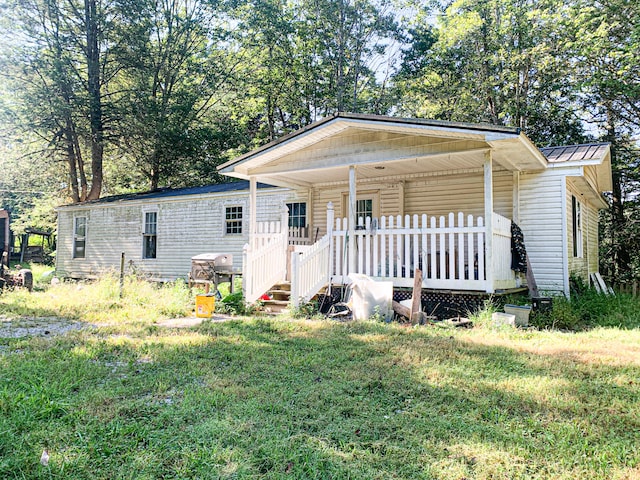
37, 326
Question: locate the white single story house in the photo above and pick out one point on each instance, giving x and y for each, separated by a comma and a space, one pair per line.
392, 194
380, 196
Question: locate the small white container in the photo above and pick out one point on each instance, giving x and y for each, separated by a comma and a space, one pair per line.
500, 319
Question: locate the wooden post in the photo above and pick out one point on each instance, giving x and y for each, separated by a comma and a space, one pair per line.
416, 296
352, 219
488, 218
121, 273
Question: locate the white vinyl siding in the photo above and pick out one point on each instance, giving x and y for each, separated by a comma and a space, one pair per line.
541, 221
388, 201
442, 194
189, 225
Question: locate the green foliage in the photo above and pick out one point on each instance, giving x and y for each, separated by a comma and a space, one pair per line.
589, 309
234, 304
305, 310
273, 399
100, 301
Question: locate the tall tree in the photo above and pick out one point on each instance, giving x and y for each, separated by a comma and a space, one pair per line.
57, 68
604, 49
174, 74
497, 61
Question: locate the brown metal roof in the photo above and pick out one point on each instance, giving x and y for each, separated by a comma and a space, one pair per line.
571, 153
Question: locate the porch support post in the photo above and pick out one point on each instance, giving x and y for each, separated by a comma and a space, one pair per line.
330, 222
352, 219
516, 197
253, 194
488, 218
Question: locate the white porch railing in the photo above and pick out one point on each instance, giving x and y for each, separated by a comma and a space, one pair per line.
503, 276
310, 270
264, 260
300, 236
450, 253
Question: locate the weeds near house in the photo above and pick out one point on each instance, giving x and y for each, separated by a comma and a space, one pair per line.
100, 302
283, 398
589, 309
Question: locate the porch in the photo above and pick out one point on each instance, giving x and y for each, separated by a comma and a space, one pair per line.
376, 170
454, 252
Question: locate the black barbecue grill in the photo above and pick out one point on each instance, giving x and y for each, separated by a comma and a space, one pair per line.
212, 269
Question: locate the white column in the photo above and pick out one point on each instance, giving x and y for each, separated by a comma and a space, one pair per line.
253, 194
352, 219
488, 218
330, 224
516, 197
284, 231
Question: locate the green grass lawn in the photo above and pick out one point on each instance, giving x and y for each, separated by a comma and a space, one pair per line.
283, 398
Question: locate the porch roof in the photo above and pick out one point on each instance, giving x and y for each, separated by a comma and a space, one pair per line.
383, 147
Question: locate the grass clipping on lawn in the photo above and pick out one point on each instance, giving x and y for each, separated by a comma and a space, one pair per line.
280, 398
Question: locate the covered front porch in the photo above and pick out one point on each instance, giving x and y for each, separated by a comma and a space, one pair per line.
442, 217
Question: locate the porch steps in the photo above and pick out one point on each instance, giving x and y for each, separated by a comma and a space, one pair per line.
280, 296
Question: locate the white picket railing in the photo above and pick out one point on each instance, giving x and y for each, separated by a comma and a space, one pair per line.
450, 253
300, 236
503, 276
265, 232
264, 259
310, 270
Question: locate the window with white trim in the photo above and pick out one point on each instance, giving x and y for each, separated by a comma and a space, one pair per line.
577, 213
79, 237
297, 214
233, 220
367, 205
150, 235
364, 209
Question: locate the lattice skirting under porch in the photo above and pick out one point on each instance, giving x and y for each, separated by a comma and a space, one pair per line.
440, 303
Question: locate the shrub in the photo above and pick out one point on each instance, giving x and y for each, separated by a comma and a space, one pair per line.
305, 310
587, 309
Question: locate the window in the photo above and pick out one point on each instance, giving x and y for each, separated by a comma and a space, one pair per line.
297, 214
367, 205
576, 213
364, 209
233, 220
79, 236
150, 235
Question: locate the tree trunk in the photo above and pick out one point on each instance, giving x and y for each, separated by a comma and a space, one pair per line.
95, 99
621, 255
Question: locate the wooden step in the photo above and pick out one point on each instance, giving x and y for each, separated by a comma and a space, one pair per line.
275, 306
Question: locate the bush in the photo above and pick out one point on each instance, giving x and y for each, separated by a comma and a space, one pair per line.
305, 310
234, 304
587, 309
